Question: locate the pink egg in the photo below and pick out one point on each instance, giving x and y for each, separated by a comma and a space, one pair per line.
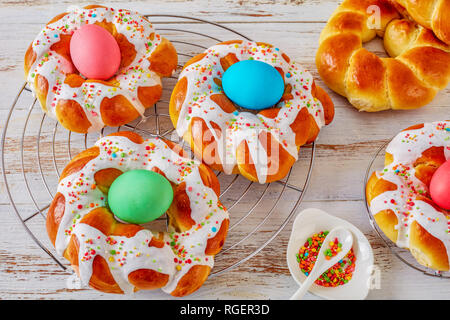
440, 186
95, 52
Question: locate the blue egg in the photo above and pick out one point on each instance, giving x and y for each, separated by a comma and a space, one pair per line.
253, 84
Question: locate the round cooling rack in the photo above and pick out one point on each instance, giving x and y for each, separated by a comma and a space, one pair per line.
35, 149
404, 255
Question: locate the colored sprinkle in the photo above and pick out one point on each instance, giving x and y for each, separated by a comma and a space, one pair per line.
338, 274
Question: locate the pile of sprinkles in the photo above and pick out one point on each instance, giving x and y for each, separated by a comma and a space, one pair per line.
337, 275
204, 80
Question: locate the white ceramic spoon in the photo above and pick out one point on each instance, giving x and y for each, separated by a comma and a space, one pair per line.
322, 264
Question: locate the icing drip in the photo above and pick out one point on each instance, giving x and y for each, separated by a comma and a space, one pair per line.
406, 148
246, 126
50, 64
124, 255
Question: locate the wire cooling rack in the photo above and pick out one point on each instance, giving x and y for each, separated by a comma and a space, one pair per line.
35, 150
377, 164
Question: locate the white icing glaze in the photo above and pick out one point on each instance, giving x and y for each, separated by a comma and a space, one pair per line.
50, 64
406, 148
240, 126
124, 255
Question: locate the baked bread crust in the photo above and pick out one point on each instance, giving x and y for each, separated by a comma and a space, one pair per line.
418, 68
263, 146
116, 257
87, 105
399, 199
431, 14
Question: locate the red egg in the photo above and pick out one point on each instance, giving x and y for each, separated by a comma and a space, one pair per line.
440, 186
95, 52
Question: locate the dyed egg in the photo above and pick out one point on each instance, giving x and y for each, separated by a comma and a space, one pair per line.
440, 186
253, 84
140, 196
95, 52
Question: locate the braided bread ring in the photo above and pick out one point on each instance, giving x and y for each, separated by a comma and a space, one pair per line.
398, 195
115, 257
431, 14
261, 147
87, 105
418, 69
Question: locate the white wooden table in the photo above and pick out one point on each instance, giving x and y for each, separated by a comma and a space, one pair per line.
343, 152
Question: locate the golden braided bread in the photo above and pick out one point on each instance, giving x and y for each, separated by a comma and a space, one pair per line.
431, 14
418, 68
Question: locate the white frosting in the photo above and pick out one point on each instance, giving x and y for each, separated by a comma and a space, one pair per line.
124, 255
240, 126
89, 95
406, 148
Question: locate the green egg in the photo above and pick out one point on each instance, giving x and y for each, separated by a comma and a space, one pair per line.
140, 196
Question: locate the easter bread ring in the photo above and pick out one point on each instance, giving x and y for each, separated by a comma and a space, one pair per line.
117, 257
87, 105
431, 14
399, 195
263, 146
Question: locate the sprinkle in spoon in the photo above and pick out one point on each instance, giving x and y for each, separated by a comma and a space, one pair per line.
322, 264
